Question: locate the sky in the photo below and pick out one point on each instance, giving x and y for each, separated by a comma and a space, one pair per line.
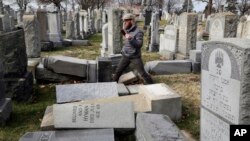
198, 6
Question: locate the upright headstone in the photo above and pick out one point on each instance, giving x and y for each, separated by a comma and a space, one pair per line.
154, 43
97, 17
225, 94
20, 14
70, 32
81, 22
5, 24
114, 33
18, 82
54, 28
243, 29
76, 20
86, 23
223, 25
104, 17
1, 6
32, 38
43, 24
104, 44
104, 69
148, 15
187, 35
168, 42
70, 135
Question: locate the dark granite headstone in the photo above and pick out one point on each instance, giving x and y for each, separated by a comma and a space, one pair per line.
104, 67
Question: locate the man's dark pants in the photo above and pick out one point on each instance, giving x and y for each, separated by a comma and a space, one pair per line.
124, 63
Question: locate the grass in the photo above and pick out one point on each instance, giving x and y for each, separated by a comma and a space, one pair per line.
26, 117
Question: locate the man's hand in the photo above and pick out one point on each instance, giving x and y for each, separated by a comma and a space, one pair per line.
128, 36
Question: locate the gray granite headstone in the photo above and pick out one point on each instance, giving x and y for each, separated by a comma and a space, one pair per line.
168, 67
70, 135
32, 36
92, 71
187, 33
69, 29
104, 115
122, 90
225, 94
43, 24
154, 41
104, 69
66, 65
157, 127
85, 91
223, 25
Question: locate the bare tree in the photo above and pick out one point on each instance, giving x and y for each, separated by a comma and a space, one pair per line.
243, 6
57, 3
172, 5
22, 4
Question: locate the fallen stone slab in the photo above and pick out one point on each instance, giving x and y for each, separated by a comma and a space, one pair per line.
48, 119
70, 135
80, 42
43, 74
105, 115
168, 67
163, 100
85, 91
133, 89
66, 65
156, 127
5, 110
128, 78
122, 90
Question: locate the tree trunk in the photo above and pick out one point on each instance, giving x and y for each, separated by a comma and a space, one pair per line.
210, 5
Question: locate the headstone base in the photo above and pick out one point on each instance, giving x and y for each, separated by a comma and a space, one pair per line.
67, 42
5, 110
47, 46
80, 42
20, 89
167, 54
196, 67
179, 56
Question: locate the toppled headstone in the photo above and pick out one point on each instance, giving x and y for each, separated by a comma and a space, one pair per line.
128, 78
122, 90
85, 91
48, 119
70, 135
106, 115
104, 69
163, 100
168, 67
133, 89
156, 127
80, 42
43, 74
66, 65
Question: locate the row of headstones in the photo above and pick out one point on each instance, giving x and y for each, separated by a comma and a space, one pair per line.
103, 110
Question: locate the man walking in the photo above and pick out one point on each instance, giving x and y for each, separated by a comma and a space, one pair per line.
131, 51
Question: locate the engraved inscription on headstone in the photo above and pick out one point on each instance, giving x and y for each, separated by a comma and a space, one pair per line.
221, 94
213, 128
216, 30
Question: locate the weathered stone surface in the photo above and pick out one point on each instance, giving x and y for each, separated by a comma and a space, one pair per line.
69, 29
169, 39
104, 69
5, 110
187, 33
128, 78
122, 90
199, 44
85, 91
75, 66
48, 119
92, 71
133, 89
54, 27
224, 87
32, 64
5, 25
163, 100
80, 42
13, 54
70, 135
223, 25
106, 115
154, 41
168, 67
167, 54
43, 24
21, 88
43, 74
47, 46
196, 67
195, 55
114, 33
157, 127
